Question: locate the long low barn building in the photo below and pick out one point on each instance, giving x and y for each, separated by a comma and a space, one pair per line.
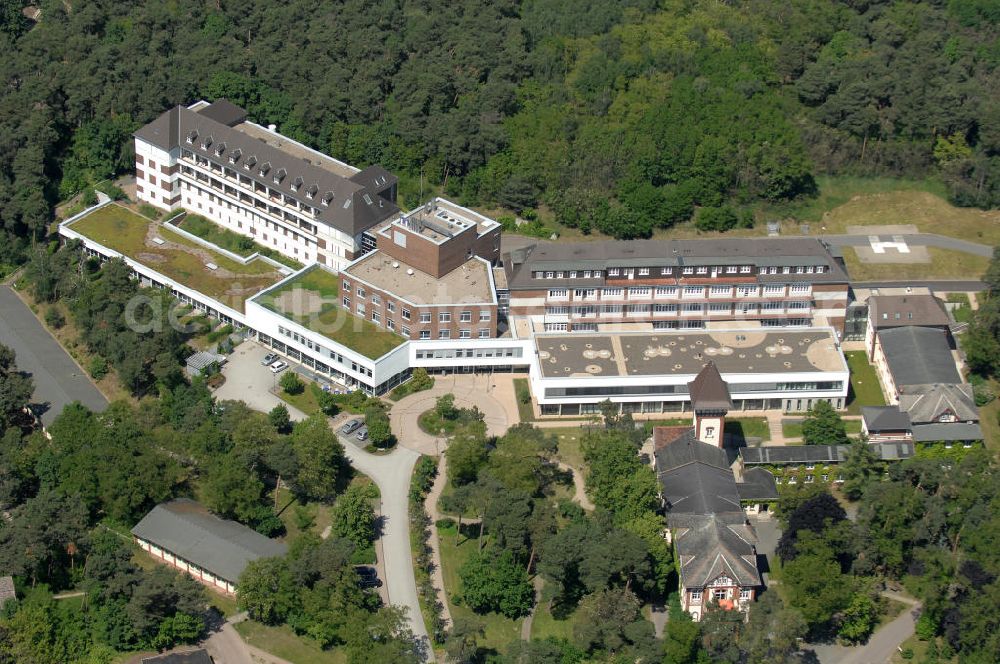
185, 535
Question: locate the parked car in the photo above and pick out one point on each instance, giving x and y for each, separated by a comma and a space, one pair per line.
368, 577
269, 359
350, 426
362, 434
279, 366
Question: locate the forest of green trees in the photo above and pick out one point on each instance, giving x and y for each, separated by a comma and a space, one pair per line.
619, 117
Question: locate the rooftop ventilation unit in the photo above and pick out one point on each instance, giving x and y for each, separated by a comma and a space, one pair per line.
395, 264
409, 271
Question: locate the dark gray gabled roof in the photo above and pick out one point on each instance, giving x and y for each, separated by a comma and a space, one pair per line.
600, 255
224, 112
188, 530
757, 485
355, 205
925, 404
899, 310
946, 432
695, 477
885, 418
686, 449
918, 355
714, 546
708, 391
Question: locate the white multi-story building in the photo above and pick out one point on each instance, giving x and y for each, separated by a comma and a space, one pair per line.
210, 160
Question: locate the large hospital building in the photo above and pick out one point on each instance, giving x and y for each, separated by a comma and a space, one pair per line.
348, 284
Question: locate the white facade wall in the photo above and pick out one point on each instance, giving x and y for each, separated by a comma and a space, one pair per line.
152, 176
356, 367
199, 197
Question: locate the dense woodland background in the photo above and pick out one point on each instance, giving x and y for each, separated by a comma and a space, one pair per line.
618, 117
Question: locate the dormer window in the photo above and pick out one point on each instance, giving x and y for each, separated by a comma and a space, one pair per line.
192, 136
250, 162
207, 143
235, 155
327, 197
311, 191
279, 175
264, 168
219, 149
296, 183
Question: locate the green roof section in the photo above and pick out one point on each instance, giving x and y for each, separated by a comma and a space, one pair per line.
160, 248
313, 299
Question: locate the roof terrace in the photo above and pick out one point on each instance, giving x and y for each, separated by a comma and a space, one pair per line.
685, 352
160, 248
312, 298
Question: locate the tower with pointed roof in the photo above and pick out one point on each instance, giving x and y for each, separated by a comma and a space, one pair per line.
710, 402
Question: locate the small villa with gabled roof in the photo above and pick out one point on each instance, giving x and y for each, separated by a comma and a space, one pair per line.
704, 494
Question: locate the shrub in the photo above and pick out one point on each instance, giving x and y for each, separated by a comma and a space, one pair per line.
111, 190
89, 197
523, 393
54, 318
149, 211
98, 367
716, 219
291, 383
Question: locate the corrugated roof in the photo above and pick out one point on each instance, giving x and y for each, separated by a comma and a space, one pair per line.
796, 454
918, 356
186, 529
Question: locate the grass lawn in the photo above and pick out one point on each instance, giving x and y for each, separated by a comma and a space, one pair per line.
845, 202
432, 423
544, 624
793, 428
455, 550
749, 427
570, 445
284, 643
845, 194
989, 422
963, 312
234, 242
179, 258
524, 410
304, 401
865, 389
945, 264
313, 300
